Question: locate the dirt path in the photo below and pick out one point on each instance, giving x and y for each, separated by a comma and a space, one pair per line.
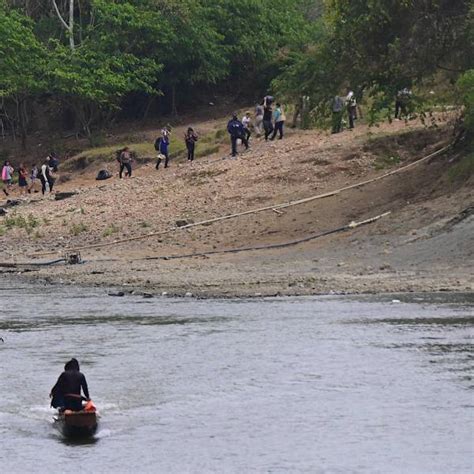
414, 249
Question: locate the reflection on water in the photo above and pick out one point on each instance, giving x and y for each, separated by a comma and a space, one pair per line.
439, 299
270, 385
45, 323
438, 321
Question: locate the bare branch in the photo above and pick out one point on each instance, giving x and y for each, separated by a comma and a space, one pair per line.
61, 19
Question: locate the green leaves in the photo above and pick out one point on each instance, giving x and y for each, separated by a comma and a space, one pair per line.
22, 57
466, 87
377, 47
123, 49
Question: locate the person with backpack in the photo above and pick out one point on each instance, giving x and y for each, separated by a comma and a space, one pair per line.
190, 138
236, 132
279, 118
45, 177
125, 160
268, 101
53, 161
267, 120
162, 147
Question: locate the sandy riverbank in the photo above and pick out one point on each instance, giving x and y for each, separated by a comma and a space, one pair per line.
425, 244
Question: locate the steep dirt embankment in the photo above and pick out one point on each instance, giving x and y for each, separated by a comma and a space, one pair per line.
417, 247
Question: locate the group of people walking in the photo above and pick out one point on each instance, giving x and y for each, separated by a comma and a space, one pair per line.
338, 105
349, 103
269, 121
161, 145
27, 179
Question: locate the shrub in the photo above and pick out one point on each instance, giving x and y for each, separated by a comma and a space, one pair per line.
466, 87
78, 228
463, 169
111, 229
27, 223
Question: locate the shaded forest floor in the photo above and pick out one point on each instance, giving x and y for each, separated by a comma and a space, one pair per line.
425, 244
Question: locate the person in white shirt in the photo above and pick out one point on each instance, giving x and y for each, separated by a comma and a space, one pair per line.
258, 125
401, 101
351, 104
247, 123
47, 181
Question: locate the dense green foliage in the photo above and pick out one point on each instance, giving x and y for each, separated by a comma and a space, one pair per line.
89, 59
83, 63
378, 47
466, 87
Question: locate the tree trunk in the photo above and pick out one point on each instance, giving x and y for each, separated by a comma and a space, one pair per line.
22, 119
148, 106
174, 110
69, 26
296, 113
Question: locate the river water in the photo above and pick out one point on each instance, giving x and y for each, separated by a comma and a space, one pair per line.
312, 384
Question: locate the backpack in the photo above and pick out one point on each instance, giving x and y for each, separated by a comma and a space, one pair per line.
268, 100
157, 144
103, 174
54, 163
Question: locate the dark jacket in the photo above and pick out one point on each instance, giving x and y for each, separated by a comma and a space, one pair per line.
163, 145
267, 114
70, 382
235, 128
190, 139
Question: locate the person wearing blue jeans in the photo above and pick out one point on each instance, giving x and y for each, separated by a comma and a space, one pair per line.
279, 118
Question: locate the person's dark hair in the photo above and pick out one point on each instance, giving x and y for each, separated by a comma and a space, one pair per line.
73, 364
234, 115
278, 104
190, 129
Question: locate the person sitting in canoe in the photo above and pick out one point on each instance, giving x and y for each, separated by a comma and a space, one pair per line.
66, 394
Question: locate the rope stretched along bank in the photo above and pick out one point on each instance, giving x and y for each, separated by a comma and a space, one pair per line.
350, 226
252, 211
31, 264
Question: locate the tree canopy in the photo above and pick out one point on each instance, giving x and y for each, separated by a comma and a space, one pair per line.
91, 56
379, 47
94, 58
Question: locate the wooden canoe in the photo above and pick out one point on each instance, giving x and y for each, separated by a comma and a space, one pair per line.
77, 424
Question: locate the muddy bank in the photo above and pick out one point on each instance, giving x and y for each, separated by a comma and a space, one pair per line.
429, 260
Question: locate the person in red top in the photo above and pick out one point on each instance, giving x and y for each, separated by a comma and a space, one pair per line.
23, 179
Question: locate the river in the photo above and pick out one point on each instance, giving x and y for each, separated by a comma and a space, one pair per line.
311, 384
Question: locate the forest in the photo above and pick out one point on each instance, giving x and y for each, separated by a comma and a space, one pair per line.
81, 65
